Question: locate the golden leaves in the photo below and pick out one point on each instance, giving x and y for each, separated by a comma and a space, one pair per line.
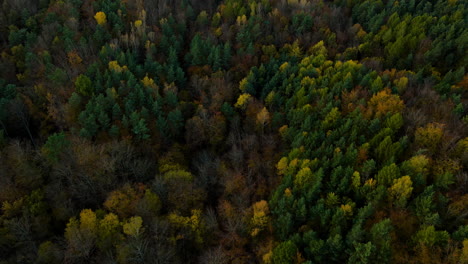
100, 18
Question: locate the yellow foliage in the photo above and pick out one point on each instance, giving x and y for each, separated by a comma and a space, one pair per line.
293, 163
464, 253
429, 136
384, 102
303, 177
147, 81
356, 179
401, 83
282, 130
218, 32
284, 66
318, 49
193, 222
305, 62
243, 85
114, 66
20, 76
419, 164
138, 23
100, 18
261, 207
401, 190
370, 182
347, 209
307, 81
287, 192
243, 100
282, 165
260, 217
295, 49
178, 174
109, 223
88, 220
306, 163
263, 117
361, 33
133, 226
267, 257
241, 20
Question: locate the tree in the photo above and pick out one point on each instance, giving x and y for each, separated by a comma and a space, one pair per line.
81, 235
139, 127
380, 237
108, 232
263, 118
243, 100
428, 236
133, 227
260, 219
384, 102
49, 253
387, 174
429, 136
400, 191
362, 253
100, 18
123, 201
197, 54
54, 147
285, 253
83, 85
194, 225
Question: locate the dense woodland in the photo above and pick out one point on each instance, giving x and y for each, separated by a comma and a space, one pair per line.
233, 131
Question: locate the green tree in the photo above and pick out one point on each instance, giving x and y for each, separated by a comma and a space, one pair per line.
380, 237
83, 85
284, 253
387, 174
54, 147
428, 236
139, 127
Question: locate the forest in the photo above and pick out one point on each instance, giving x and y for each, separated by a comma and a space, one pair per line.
234, 131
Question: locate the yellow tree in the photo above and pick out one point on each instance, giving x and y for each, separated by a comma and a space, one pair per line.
429, 136
263, 118
100, 18
243, 100
81, 234
133, 226
401, 190
260, 218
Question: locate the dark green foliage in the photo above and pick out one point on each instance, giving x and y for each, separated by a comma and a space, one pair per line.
56, 144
